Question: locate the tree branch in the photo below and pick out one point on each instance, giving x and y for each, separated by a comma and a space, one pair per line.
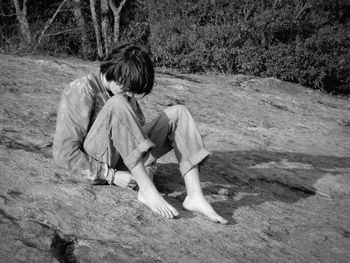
61, 32
17, 7
112, 6
276, 3
49, 22
121, 6
116, 13
300, 12
24, 7
2, 13
116, 10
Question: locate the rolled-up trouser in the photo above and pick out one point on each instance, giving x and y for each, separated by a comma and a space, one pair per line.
118, 134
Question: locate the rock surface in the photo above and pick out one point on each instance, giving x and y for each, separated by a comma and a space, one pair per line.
280, 173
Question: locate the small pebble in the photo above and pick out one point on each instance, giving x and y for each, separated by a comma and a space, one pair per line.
223, 191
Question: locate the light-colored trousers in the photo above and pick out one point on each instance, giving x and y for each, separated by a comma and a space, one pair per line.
117, 135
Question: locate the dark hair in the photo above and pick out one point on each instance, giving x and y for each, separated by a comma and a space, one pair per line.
130, 66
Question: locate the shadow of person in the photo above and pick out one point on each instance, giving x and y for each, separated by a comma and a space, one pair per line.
247, 178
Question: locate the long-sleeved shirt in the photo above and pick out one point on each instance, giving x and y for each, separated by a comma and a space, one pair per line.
80, 103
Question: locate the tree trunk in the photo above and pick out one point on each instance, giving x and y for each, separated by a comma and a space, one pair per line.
23, 21
116, 13
152, 21
82, 27
96, 28
105, 25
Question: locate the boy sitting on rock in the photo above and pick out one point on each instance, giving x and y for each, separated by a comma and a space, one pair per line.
101, 127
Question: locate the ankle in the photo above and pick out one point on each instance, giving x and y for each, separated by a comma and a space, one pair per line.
195, 193
148, 190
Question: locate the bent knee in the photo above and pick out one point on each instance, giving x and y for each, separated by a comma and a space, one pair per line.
116, 102
176, 111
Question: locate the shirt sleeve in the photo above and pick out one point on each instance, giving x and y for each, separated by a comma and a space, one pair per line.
73, 120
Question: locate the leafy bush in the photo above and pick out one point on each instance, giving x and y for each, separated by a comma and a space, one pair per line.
322, 61
300, 41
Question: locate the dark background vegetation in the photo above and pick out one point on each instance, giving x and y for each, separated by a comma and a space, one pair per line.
302, 41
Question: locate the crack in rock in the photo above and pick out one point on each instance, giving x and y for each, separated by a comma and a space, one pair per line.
13, 144
62, 247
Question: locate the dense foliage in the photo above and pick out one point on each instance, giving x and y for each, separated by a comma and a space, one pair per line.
303, 41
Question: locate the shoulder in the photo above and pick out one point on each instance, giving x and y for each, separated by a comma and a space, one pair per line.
77, 94
80, 86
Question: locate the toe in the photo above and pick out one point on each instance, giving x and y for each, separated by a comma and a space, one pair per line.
170, 214
162, 213
218, 219
166, 213
174, 212
222, 221
169, 211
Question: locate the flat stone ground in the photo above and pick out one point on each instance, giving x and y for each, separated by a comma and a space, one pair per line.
279, 172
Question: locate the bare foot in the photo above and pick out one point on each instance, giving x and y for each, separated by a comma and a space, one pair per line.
157, 203
200, 205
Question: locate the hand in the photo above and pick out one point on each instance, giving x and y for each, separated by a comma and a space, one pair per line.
124, 179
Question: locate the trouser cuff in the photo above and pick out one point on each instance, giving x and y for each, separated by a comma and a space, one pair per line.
187, 165
134, 157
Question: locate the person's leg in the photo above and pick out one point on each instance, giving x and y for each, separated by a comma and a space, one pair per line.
195, 200
149, 195
126, 138
175, 129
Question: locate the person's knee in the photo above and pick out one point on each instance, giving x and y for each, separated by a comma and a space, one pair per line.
177, 111
116, 99
116, 103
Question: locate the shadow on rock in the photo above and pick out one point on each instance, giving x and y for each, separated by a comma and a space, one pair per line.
63, 248
247, 178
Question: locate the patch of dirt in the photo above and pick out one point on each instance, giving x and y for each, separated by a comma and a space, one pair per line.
279, 172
